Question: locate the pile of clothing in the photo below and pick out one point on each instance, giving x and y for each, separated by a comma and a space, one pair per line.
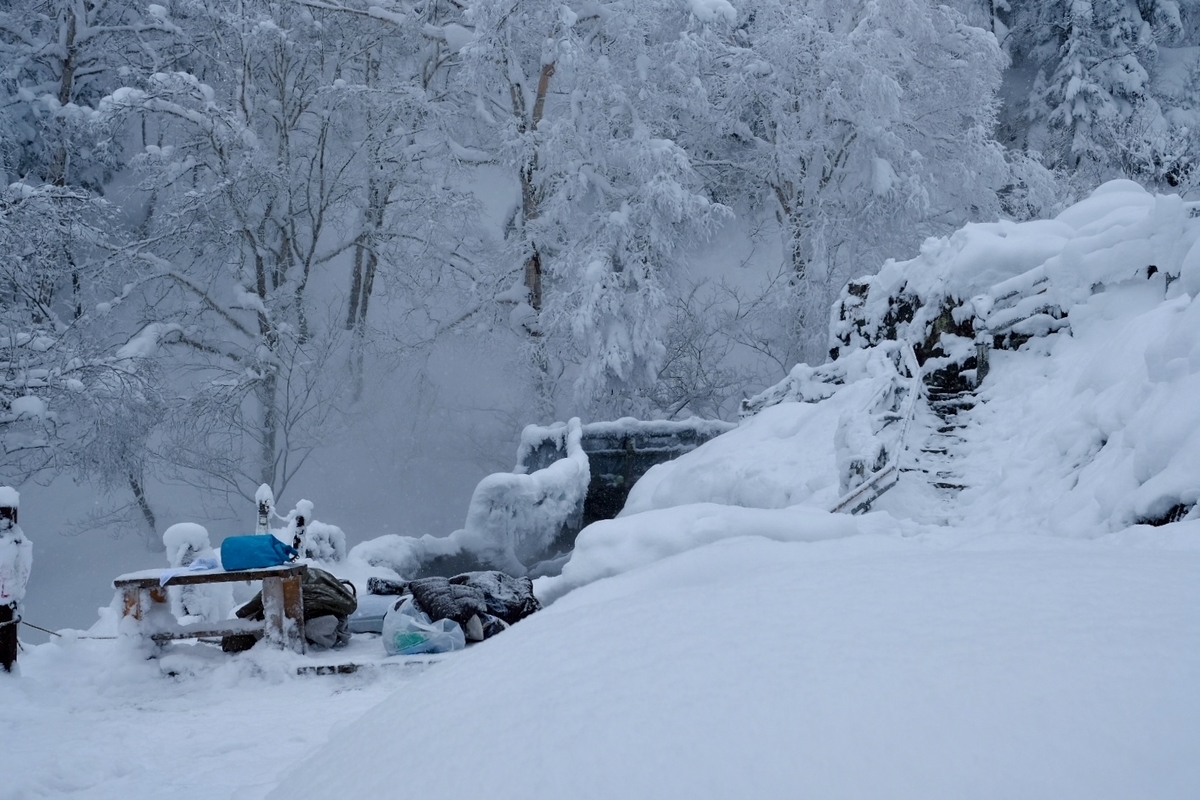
438, 614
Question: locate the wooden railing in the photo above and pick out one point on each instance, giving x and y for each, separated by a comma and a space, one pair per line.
861, 497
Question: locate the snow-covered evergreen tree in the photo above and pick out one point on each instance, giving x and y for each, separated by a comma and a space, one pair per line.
1115, 89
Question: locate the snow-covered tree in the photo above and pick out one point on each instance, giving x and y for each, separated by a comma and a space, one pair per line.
869, 127
583, 107
61, 57
249, 182
1115, 89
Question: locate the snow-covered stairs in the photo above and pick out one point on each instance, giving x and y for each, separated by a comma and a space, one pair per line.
934, 456
938, 451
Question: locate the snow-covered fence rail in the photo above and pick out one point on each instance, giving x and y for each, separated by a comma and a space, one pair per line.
869, 437
860, 446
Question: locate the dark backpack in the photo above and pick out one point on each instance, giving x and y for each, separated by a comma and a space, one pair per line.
324, 595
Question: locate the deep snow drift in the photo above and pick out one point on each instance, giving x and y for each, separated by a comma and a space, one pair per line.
868, 667
1008, 631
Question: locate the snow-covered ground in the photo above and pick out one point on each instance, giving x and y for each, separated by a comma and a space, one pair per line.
1020, 637
938, 666
98, 719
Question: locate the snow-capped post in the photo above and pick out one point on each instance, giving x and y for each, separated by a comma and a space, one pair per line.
301, 517
16, 559
265, 499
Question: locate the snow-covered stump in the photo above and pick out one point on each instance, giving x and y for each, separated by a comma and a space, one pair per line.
16, 560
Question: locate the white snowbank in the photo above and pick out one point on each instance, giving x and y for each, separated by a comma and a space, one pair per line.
613, 547
862, 668
797, 446
99, 719
782, 456
1115, 235
1092, 432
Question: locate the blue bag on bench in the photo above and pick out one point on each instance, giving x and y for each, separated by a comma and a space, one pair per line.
254, 552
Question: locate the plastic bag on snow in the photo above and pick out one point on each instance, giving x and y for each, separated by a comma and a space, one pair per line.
407, 632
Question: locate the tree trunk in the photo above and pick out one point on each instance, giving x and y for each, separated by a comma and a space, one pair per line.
139, 495
530, 202
267, 397
66, 87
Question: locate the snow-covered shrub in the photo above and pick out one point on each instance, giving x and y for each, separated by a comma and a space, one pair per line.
317, 540
185, 542
324, 542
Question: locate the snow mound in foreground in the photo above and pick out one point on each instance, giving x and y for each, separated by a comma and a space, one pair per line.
867, 667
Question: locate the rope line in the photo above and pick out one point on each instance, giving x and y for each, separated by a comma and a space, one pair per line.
38, 628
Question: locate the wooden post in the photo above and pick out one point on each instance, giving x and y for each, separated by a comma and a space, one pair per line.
298, 538
8, 637
283, 608
8, 611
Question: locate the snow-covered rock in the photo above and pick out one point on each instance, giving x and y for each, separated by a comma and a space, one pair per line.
512, 519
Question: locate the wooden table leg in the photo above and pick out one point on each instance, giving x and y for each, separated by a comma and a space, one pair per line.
139, 602
131, 605
283, 607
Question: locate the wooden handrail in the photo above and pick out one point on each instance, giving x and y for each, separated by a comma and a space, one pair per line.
862, 496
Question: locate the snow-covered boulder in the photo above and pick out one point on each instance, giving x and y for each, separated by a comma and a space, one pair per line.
511, 522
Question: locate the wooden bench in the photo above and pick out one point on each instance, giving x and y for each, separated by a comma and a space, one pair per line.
144, 599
